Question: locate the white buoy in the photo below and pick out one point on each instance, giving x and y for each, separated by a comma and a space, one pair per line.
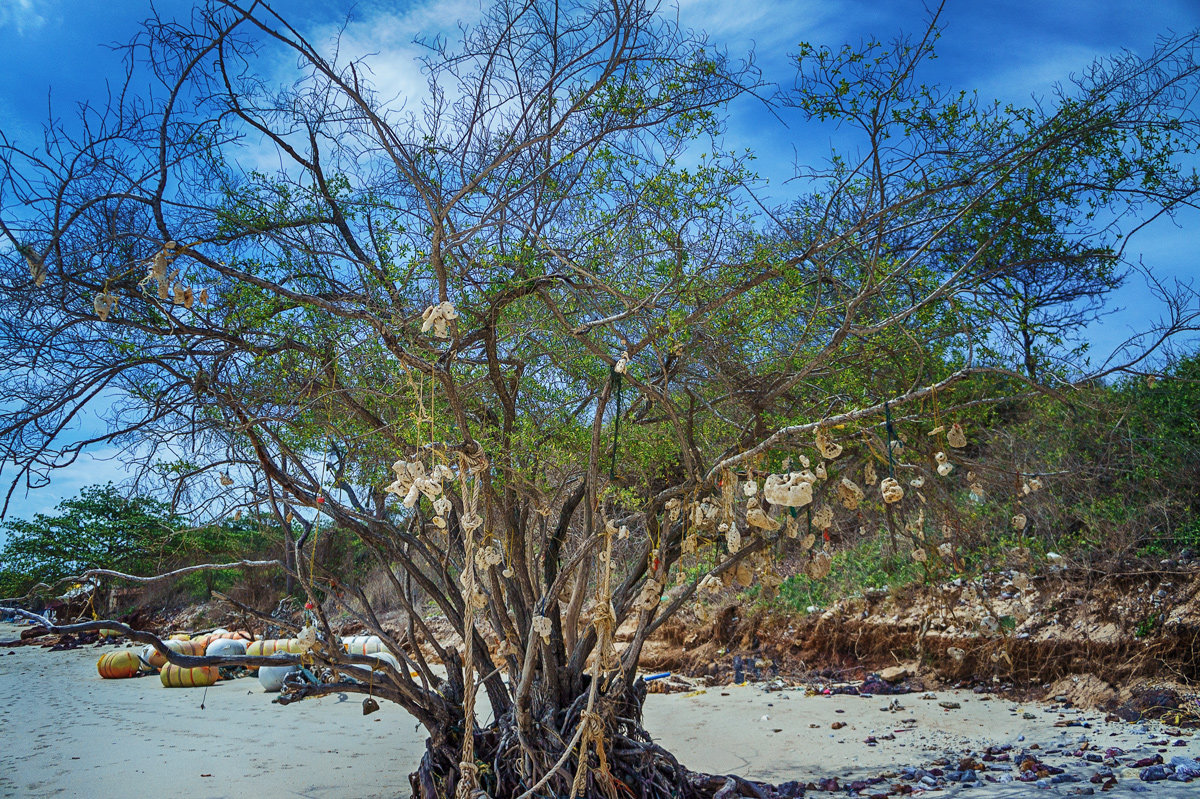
225, 647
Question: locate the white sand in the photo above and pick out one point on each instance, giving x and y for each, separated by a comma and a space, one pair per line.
66, 732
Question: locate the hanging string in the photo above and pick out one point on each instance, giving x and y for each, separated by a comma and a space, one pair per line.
891, 436
616, 378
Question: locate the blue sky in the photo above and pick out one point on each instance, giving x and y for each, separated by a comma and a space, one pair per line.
58, 52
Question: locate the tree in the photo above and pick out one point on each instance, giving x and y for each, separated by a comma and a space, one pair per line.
582, 353
99, 529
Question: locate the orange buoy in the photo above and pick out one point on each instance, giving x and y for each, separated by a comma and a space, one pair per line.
118, 665
236, 635
157, 660
173, 676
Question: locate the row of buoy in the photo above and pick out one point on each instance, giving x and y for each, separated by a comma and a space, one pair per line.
127, 663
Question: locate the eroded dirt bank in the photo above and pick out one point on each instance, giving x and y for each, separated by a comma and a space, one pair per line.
1128, 644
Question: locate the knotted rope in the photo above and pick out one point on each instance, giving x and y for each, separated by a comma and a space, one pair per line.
468, 783
590, 722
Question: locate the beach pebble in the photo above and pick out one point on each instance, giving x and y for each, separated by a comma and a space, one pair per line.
1153, 774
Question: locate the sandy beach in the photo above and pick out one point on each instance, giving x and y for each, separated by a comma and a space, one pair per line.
66, 732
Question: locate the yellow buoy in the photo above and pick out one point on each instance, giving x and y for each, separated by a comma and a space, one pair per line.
272, 645
118, 665
173, 676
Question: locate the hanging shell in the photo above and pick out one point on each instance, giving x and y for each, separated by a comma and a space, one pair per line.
919, 555
104, 304
225, 479
869, 476
917, 482
946, 550
1019, 521
649, 597
438, 317
829, 449
750, 488
822, 473
849, 494
790, 490
733, 539
807, 542
891, 490
823, 518
542, 626
956, 437
819, 567
37, 268
757, 517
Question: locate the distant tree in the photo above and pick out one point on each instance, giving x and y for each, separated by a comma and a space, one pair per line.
99, 529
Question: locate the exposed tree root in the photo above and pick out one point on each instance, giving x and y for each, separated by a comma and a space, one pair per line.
631, 764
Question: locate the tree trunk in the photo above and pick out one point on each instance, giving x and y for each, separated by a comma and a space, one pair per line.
626, 762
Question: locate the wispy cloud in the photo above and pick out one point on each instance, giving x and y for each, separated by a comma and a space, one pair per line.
22, 16
386, 39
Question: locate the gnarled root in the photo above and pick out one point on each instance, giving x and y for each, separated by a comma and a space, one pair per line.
633, 765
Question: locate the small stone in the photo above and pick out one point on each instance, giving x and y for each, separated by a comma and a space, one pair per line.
1153, 774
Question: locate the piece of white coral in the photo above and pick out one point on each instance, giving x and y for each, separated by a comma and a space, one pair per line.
849, 494
622, 365
438, 318
791, 490
37, 267
891, 490
828, 448
541, 626
104, 304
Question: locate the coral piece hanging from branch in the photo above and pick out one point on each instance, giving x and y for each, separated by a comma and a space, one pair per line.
956, 437
438, 318
819, 567
828, 448
791, 490
622, 365
37, 267
891, 490
104, 304
849, 494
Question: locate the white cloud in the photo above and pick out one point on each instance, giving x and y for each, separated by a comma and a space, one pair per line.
385, 38
21, 15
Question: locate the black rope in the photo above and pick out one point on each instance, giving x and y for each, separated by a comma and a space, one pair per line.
616, 378
891, 436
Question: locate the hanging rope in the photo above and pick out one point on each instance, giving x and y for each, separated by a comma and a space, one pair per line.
468, 784
590, 722
891, 436
616, 378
